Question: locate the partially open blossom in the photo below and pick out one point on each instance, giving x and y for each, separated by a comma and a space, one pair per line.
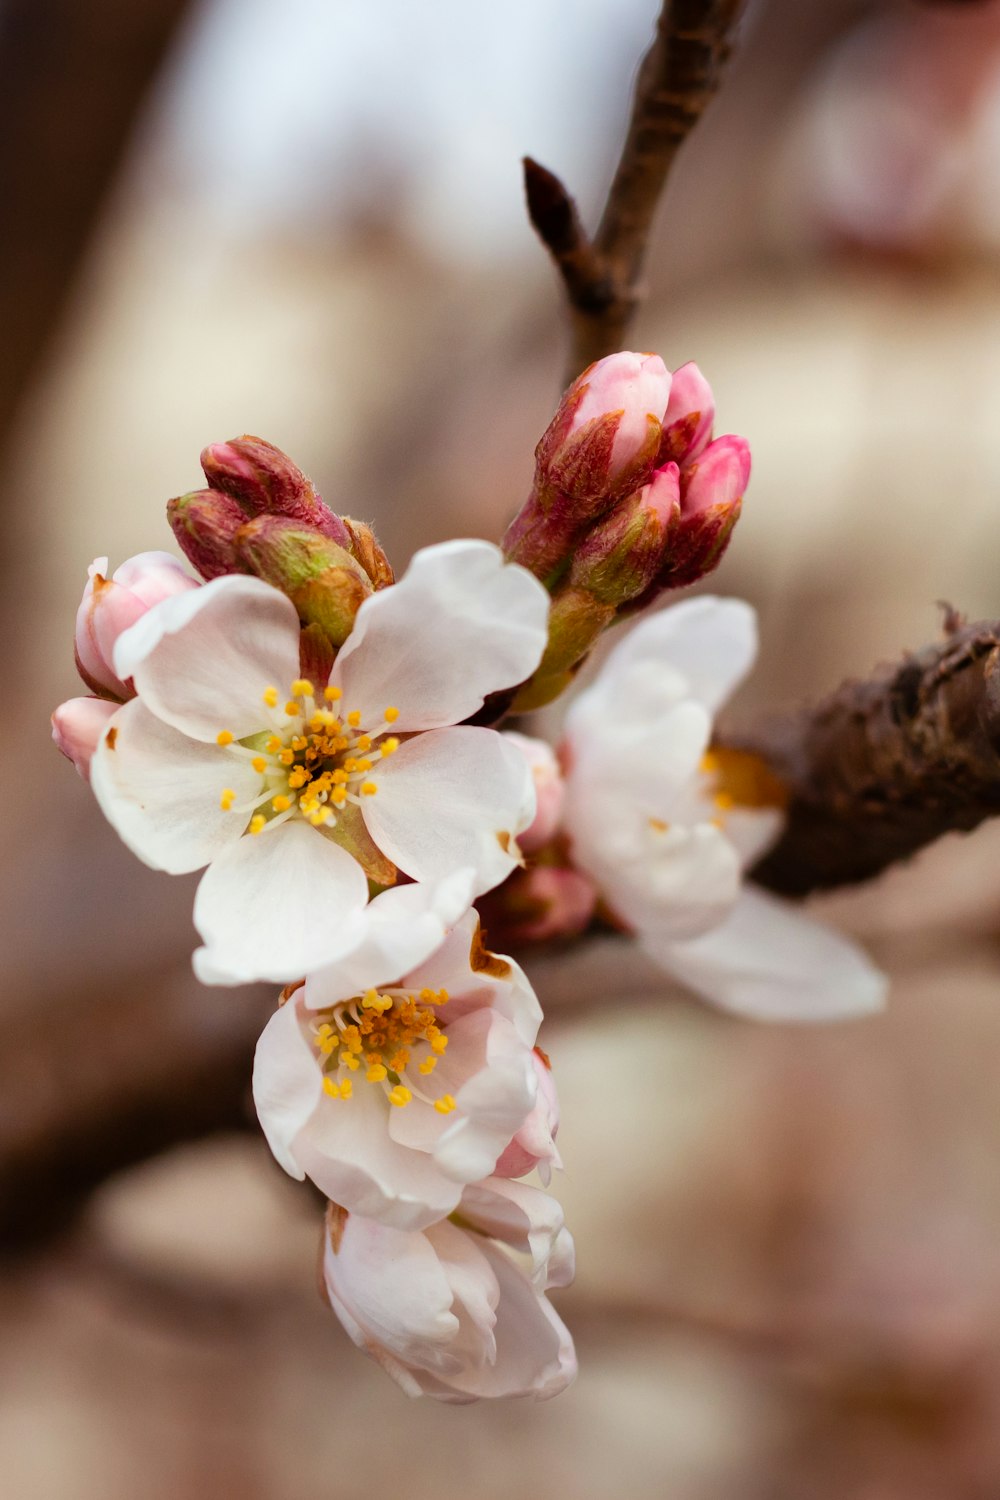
295, 793
77, 725
665, 826
392, 1089
458, 1311
110, 605
549, 790
689, 417
601, 445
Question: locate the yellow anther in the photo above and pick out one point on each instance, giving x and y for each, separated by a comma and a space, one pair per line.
363, 765
391, 715
224, 737
302, 688
443, 997
258, 823
270, 696
299, 742
273, 744
428, 1065
427, 995
438, 1044
331, 693
227, 799
399, 1062
298, 777
709, 762
259, 764
331, 1087
370, 999
399, 1096
346, 1089
354, 718
724, 801
338, 796
281, 803
368, 789
444, 1105
338, 776
292, 709
287, 757
321, 816
390, 745
376, 1073
364, 742
349, 1060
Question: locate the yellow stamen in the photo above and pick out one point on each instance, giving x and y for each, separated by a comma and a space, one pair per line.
438, 1044
302, 688
376, 1073
368, 789
270, 696
724, 801
390, 745
227, 799
281, 803
332, 694
332, 1088
273, 744
224, 737
259, 764
292, 708
399, 1096
428, 1065
444, 1105
354, 718
258, 823
346, 1089
391, 715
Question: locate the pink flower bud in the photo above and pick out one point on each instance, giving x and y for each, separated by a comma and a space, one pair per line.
539, 905
534, 1146
711, 500
622, 554
687, 422
77, 725
549, 790
719, 477
110, 605
204, 524
608, 427
265, 481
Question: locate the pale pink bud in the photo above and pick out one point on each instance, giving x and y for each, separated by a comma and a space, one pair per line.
540, 905
77, 725
110, 605
549, 790
534, 1146
633, 387
687, 422
719, 477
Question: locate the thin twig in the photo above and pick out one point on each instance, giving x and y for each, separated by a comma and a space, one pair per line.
678, 76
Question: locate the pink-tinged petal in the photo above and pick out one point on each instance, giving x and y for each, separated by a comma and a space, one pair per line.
476, 979
492, 1105
460, 623
710, 642
393, 1285
105, 610
77, 726
719, 477
449, 799
637, 385
475, 1293
534, 1348
268, 908
396, 931
688, 419
528, 1220
287, 1083
348, 1152
202, 659
549, 789
153, 576
534, 1145
161, 791
769, 961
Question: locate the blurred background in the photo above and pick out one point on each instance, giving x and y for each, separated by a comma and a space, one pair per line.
305, 221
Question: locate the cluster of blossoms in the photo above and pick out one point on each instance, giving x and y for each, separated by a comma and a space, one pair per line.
321, 740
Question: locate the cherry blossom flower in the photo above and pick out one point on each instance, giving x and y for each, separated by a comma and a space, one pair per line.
296, 793
665, 827
458, 1311
110, 605
77, 726
391, 1093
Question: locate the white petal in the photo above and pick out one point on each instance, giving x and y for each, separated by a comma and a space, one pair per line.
201, 660
460, 623
769, 961
534, 1350
161, 791
492, 1105
396, 931
270, 906
711, 642
287, 1083
346, 1149
394, 1287
685, 884
452, 798
525, 1218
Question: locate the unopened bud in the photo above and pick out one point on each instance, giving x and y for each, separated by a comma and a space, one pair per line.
204, 524
110, 605
550, 790
620, 556
77, 726
265, 482
688, 419
323, 581
365, 548
539, 905
712, 491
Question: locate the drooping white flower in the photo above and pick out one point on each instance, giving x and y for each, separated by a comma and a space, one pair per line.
458, 1311
293, 792
392, 1081
666, 828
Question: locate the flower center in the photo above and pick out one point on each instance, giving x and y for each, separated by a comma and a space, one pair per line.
316, 759
393, 1036
738, 778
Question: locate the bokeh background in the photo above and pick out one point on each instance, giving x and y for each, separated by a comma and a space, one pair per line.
304, 220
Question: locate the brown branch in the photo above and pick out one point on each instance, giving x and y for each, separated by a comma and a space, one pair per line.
677, 78
885, 766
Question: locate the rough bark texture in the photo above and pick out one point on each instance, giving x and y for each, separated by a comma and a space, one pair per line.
885, 766
678, 76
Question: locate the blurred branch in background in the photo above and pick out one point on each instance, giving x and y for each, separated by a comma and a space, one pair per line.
72, 80
677, 78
